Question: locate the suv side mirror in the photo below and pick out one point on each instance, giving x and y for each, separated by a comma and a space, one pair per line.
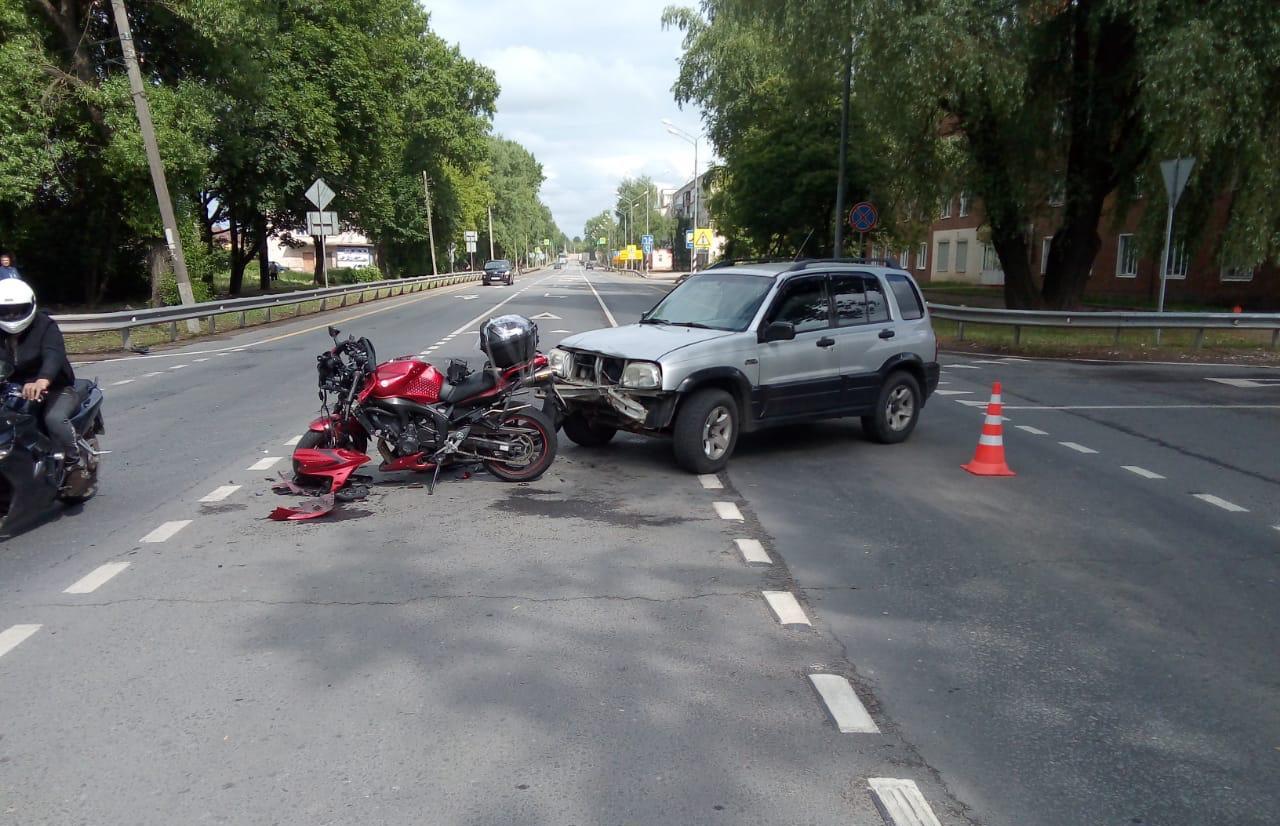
779, 331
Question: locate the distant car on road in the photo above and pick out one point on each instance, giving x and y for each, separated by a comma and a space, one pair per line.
499, 271
559, 265
748, 346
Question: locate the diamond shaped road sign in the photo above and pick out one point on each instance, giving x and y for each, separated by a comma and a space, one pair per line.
320, 194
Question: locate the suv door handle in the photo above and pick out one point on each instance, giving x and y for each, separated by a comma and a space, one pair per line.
826, 341
887, 333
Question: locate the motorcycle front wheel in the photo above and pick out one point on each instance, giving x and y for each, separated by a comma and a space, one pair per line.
534, 444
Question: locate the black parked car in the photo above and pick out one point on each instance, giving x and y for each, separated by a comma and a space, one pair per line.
499, 271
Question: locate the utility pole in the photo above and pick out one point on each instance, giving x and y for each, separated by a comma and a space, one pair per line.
431, 232
490, 232
838, 245
648, 259
171, 236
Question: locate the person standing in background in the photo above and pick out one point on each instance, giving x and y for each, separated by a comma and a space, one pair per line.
7, 269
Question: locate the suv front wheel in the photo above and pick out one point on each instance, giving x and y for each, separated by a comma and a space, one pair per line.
897, 410
706, 431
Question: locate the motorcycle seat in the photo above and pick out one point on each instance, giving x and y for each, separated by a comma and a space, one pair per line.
83, 388
473, 385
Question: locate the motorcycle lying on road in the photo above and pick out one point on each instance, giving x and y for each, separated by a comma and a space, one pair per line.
424, 420
32, 476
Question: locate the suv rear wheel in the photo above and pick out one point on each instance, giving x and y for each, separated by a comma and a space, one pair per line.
897, 410
706, 431
584, 432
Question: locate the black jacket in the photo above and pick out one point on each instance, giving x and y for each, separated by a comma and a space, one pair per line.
38, 352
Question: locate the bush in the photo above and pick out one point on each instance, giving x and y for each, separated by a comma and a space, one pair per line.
354, 275
169, 291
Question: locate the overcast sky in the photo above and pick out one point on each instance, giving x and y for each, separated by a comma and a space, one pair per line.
585, 86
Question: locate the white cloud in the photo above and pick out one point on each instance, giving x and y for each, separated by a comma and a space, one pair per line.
585, 87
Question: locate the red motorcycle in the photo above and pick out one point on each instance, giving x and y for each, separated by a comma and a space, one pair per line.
423, 419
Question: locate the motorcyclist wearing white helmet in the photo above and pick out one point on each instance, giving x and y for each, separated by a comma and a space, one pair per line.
32, 344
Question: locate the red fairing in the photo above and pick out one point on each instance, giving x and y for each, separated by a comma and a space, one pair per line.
410, 379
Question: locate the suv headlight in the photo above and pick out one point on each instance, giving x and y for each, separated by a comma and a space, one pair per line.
560, 361
642, 375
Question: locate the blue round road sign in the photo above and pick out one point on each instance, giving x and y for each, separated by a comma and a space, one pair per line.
863, 217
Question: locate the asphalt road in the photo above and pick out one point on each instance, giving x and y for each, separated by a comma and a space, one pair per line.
1079, 644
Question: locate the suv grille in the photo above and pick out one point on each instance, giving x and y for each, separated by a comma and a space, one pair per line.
590, 368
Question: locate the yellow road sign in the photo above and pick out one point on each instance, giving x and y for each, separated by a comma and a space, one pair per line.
702, 238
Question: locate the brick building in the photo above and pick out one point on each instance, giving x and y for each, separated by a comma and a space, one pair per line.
958, 250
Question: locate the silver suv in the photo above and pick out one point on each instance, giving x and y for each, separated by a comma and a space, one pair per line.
740, 347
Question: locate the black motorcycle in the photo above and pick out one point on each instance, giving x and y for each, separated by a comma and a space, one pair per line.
32, 476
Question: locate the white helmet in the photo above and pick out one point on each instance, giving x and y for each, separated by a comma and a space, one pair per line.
17, 305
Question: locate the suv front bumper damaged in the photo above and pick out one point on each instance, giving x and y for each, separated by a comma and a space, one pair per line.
594, 389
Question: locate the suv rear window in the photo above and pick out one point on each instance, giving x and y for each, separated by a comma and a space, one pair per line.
909, 302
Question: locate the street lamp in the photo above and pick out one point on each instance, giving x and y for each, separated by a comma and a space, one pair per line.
688, 137
631, 210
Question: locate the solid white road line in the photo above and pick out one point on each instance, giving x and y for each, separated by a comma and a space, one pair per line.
199, 361
125, 381
786, 608
265, 463
294, 441
1034, 431
219, 493
727, 510
753, 551
1078, 448
12, 637
97, 578
1143, 407
1238, 382
843, 705
960, 367
1141, 471
710, 481
953, 392
608, 315
166, 531
901, 803
1220, 502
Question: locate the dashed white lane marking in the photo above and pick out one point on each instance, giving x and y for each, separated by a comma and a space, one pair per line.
165, 531
219, 493
431, 350
1220, 502
294, 441
901, 803
727, 510
953, 392
178, 367
265, 463
1250, 383
155, 373
960, 367
1034, 431
562, 331
753, 551
1276, 527
843, 705
199, 361
12, 637
123, 381
973, 403
1141, 471
786, 608
710, 481
1078, 448
97, 578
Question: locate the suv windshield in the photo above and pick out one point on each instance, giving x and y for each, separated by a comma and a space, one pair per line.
500, 264
720, 301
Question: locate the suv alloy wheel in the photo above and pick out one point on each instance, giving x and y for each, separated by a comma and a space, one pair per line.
897, 410
706, 431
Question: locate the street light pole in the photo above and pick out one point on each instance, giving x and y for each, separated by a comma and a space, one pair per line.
491, 232
431, 232
693, 139
172, 238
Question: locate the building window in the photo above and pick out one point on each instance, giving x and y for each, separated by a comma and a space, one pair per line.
964, 203
944, 255
922, 255
990, 261
1044, 254
1126, 257
962, 255
1237, 273
946, 208
1176, 265
905, 260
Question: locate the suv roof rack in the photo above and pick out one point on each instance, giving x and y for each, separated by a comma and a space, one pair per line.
734, 262
804, 263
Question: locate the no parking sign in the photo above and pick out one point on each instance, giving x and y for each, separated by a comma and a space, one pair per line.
863, 216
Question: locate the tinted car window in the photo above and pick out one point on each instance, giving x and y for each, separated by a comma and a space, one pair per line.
877, 307
498, 264
908, 299
804, 305
850, 300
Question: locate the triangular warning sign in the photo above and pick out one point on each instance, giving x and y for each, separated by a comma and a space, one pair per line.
544, 315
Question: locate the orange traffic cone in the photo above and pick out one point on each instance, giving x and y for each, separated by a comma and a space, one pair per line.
988, 459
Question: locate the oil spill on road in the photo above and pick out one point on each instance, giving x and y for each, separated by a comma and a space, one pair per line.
529, 502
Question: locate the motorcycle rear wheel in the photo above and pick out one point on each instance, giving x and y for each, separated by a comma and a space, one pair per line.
541, 440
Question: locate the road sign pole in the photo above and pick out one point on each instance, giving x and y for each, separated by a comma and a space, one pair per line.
1164, 263
431, 232
1176, 174
324, 263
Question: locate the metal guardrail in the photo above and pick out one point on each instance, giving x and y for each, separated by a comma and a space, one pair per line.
126, 321
1118, 321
